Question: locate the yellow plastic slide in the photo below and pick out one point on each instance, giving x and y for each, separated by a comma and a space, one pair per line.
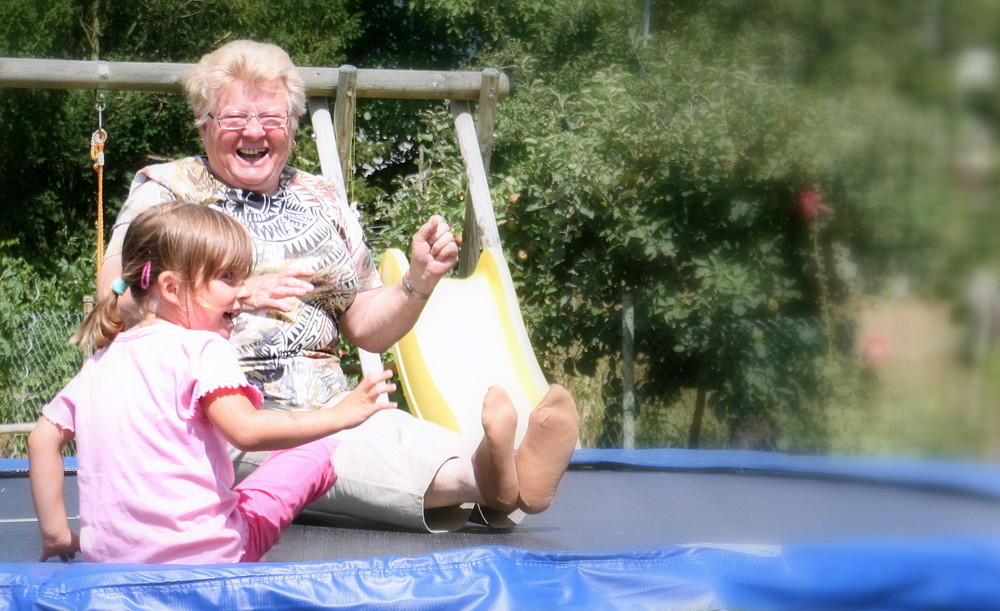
469, 337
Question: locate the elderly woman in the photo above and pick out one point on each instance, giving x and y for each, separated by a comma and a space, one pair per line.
315, 281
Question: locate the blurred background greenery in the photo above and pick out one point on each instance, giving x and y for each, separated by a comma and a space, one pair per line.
798, 197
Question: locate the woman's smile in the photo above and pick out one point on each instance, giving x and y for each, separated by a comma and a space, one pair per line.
251, 154
252, 157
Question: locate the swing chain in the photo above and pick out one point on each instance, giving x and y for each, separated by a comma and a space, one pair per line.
99, 136
97, 140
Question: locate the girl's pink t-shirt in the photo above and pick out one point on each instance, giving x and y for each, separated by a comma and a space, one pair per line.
154, 474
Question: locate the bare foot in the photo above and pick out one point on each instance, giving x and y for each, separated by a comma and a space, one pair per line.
493, 460
546, 449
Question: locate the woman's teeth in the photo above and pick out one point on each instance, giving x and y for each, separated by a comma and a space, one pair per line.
251, 153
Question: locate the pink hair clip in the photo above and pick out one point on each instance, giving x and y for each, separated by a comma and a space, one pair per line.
146, 272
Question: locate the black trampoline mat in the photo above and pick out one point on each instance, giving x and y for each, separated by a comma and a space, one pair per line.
600, 510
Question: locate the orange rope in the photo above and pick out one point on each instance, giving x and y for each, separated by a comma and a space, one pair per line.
97, 155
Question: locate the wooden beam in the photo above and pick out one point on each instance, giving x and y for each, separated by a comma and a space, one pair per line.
138, 76
326, 142
480, 230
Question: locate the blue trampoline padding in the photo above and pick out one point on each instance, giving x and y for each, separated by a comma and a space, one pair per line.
970, 477
952, 573
885, 575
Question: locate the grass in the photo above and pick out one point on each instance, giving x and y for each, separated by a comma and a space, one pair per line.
926, 398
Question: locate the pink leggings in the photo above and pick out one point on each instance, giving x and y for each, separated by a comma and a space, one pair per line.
279, 489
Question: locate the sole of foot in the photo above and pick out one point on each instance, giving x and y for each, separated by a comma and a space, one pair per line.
493, 461
547, 447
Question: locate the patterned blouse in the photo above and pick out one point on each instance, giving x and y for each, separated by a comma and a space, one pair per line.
291, 356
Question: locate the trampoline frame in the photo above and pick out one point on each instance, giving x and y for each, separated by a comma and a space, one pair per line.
870, 573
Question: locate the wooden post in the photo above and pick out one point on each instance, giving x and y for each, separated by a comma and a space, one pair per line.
628, 372
480, 229
645, 21
486, 115
88, 307
700, 401
347, 84
326, 145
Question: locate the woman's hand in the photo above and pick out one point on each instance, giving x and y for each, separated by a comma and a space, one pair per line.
433, 252
276, 291
378, 318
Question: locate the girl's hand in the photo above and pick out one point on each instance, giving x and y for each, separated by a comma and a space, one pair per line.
363, 401
65, 545
277, 291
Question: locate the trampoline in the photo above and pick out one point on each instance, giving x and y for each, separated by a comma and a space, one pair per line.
663, 529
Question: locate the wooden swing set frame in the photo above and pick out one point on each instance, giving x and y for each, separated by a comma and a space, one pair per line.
334, 129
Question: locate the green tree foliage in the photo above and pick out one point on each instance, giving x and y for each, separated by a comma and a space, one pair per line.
655, 184
740, 172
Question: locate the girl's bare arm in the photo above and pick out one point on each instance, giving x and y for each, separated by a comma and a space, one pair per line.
250, 429
45, 475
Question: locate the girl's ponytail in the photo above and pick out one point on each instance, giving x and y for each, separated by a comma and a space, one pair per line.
102, 325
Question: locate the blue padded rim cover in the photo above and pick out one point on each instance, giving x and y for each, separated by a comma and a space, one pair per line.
935, 573
886, 574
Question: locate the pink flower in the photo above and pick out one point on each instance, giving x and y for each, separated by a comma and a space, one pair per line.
809, 204
876, 348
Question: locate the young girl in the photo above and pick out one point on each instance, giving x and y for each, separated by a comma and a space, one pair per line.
152, 412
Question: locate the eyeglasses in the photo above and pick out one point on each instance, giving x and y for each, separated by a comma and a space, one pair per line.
238, 120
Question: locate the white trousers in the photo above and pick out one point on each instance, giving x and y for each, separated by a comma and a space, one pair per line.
385, 466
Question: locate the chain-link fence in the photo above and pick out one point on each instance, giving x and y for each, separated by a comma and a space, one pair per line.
795, 385
36, 360
746, 384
